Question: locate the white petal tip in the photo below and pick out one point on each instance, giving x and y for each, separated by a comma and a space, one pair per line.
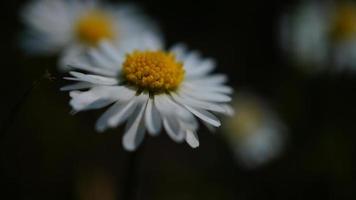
112, 124
192, 139
216, 124
100, 129
230, 113
194, 146
129, 148
153, 133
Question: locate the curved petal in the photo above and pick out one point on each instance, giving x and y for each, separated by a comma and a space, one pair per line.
152, 118
100, 60
124, 111
183, 100
135, 128
201, 68
173, 129
197, 88
205, 116
77, 86
109, 50
95, 79
215, 79
96, 97
170, 116
205, 96
102, 122
191, 60
179, 51
192, 139
88, 68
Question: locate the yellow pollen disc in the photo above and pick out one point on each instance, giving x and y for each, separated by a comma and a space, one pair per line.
344, 24
155, 71
93, 27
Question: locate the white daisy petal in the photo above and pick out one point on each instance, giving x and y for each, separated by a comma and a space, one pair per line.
152, 41
210, 127
207, 96
50, 23
197, 88
192, 139
186, 118
111, 52
205, 116
99, 60
210, 80
123, 113
72, 79
191, 124
191, 61
171, 116
102, 123
101, 80
179, 51
124, 99
144, 40
202, 68
152, 118
97, 97
199, 104
135, 128
77, 86
92, 99
173, 128
229, 110
70, 55
95, 70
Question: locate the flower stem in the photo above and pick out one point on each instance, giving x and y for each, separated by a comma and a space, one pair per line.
131, 187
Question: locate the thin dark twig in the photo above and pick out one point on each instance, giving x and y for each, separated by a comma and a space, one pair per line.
16, 108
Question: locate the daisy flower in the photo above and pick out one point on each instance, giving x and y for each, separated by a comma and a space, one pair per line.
150, 89
69, 27
321, 35
256, 135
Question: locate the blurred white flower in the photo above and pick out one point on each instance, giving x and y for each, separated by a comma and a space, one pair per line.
321, 35
150, 88
255, 133
69, 27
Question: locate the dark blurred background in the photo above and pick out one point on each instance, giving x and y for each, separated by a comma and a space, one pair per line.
46, 153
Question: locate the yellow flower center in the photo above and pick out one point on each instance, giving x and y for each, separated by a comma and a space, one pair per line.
344, 24
155, 71
93, 27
